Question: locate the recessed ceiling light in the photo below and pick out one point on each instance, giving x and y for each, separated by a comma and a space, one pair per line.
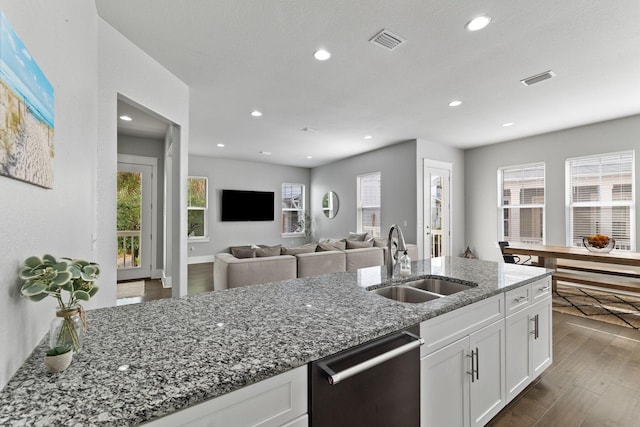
126, 118
322, 55
478, 23
265, 153
455, 103
506, 125
220, 145
368, 137
256, 113
309, 157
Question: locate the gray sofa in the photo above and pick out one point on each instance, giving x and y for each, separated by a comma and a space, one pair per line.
232, 272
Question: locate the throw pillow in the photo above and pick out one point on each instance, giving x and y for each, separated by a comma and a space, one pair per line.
340, 244
380, 243
265, 251
305, 249
358, 237
243, 252
353, 244
325, 247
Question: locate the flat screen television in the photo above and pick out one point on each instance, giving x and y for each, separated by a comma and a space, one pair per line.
237, 205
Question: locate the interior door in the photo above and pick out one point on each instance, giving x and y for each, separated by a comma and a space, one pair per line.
134, 221
437, 205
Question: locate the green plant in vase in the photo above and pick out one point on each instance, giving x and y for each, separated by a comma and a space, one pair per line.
67, 280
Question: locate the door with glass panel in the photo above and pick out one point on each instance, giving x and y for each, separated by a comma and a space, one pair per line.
134, 221
437, 203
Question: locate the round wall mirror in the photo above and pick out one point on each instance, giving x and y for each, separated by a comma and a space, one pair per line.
330, 204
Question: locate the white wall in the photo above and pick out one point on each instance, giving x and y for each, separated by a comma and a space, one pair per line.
125, 69
442, 153
397, 165
62, 37
553, 149
227, 174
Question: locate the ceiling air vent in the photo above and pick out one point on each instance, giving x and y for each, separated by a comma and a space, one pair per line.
387, 40
538, 78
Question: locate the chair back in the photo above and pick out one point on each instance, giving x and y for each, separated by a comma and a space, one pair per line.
508, 258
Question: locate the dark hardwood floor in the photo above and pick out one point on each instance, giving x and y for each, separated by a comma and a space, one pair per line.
594, 379
199, 279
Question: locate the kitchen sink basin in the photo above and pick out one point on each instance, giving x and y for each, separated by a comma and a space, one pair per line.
405, 294
439, 286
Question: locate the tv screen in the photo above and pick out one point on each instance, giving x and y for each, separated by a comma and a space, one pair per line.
247, 205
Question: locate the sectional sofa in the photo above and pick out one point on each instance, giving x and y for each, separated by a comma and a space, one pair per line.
250, 265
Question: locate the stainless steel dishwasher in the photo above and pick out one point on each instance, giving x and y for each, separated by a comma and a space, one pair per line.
373, 384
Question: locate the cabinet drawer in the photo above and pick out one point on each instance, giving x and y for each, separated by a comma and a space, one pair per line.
449, 327
517, 299
541, 289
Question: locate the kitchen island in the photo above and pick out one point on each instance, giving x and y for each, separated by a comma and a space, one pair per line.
141, 362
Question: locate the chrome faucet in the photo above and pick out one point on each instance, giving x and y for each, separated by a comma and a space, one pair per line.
392, 258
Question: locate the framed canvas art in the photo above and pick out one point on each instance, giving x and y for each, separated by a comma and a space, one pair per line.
26, 113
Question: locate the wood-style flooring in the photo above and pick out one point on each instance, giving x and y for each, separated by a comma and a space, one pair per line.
594, 379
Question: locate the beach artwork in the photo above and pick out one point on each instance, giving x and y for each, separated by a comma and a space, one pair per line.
26, 113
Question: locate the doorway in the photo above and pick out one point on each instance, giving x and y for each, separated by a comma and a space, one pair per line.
437, 209
135, 216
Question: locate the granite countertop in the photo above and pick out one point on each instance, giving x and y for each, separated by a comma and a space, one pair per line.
180, 352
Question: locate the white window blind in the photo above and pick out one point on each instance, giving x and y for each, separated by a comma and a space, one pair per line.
368, 208
521, 203
601, 198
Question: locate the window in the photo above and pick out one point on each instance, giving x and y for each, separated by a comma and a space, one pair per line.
197, 207
601, 199
293, 214
521, 205
368, 208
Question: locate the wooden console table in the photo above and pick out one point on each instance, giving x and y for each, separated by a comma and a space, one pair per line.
615, 270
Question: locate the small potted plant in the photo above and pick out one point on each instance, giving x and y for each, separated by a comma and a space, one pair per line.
58, 358
68, 281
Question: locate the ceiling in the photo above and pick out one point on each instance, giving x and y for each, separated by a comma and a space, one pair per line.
243, 55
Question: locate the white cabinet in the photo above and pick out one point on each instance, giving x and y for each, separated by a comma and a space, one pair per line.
277, 401
462, 382
529, 343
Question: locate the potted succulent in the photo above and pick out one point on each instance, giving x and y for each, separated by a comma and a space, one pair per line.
67, 280
58, 358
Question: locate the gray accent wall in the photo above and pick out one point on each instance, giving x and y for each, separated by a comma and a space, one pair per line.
224, 174
481, 211
397, 165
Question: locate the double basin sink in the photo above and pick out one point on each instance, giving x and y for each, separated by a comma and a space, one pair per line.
422, 290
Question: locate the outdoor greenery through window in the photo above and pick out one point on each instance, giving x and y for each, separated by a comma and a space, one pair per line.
293, 214
129, 218
521, 203
197, 206
600, 198
368, 204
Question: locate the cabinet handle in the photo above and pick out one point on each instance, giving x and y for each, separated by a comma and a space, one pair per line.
520, 299
473, 369
477, 364
545, 289
536, 326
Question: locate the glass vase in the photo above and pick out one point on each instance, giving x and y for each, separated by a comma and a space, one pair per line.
67, 328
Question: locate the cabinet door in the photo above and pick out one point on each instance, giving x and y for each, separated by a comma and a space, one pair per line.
541, 343
444, 386
518, 359
488, 385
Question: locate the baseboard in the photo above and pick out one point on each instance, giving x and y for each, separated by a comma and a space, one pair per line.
200, 259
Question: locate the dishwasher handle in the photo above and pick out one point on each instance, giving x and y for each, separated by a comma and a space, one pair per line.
336, 377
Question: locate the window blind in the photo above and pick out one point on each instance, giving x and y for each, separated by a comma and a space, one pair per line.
601, 198
522, 203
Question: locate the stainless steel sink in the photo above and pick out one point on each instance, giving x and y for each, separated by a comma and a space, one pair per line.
440, 286
405, 294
